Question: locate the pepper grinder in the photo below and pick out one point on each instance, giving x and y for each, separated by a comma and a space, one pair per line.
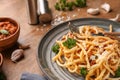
44, 11
31, 6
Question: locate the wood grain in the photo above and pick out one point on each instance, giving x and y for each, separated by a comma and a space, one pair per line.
32, 34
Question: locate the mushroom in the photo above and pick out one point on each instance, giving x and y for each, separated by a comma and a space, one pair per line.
116, 18
106, 7
93, 11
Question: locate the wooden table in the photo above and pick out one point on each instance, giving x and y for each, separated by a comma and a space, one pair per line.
32, 34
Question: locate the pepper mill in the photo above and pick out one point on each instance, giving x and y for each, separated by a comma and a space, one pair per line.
31, 6
44, 11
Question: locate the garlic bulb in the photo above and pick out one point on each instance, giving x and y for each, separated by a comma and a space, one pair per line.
106, 7
116, 18
93, 11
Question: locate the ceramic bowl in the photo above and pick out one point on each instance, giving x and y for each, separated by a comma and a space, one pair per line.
12, 39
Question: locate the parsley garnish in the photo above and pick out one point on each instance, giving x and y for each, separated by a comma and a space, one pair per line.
55, 48
117, 72
83, 71
70, 43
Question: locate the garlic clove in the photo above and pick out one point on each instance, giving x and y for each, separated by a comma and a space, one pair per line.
116, 18
106, 7
17, 55
93, 11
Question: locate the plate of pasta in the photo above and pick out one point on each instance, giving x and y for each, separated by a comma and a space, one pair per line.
66, 55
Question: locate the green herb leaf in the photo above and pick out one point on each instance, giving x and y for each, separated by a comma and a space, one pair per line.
117, 72
55, 48
83, 71
64, 4
63, 1
3, 31
62, 7
70, 43
70, 5
80, 3
57, 6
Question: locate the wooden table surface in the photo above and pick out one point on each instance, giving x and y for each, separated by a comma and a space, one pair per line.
32, 34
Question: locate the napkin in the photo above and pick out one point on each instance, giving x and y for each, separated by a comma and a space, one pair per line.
29, 76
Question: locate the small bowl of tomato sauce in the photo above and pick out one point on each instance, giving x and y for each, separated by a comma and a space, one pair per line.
9, 33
